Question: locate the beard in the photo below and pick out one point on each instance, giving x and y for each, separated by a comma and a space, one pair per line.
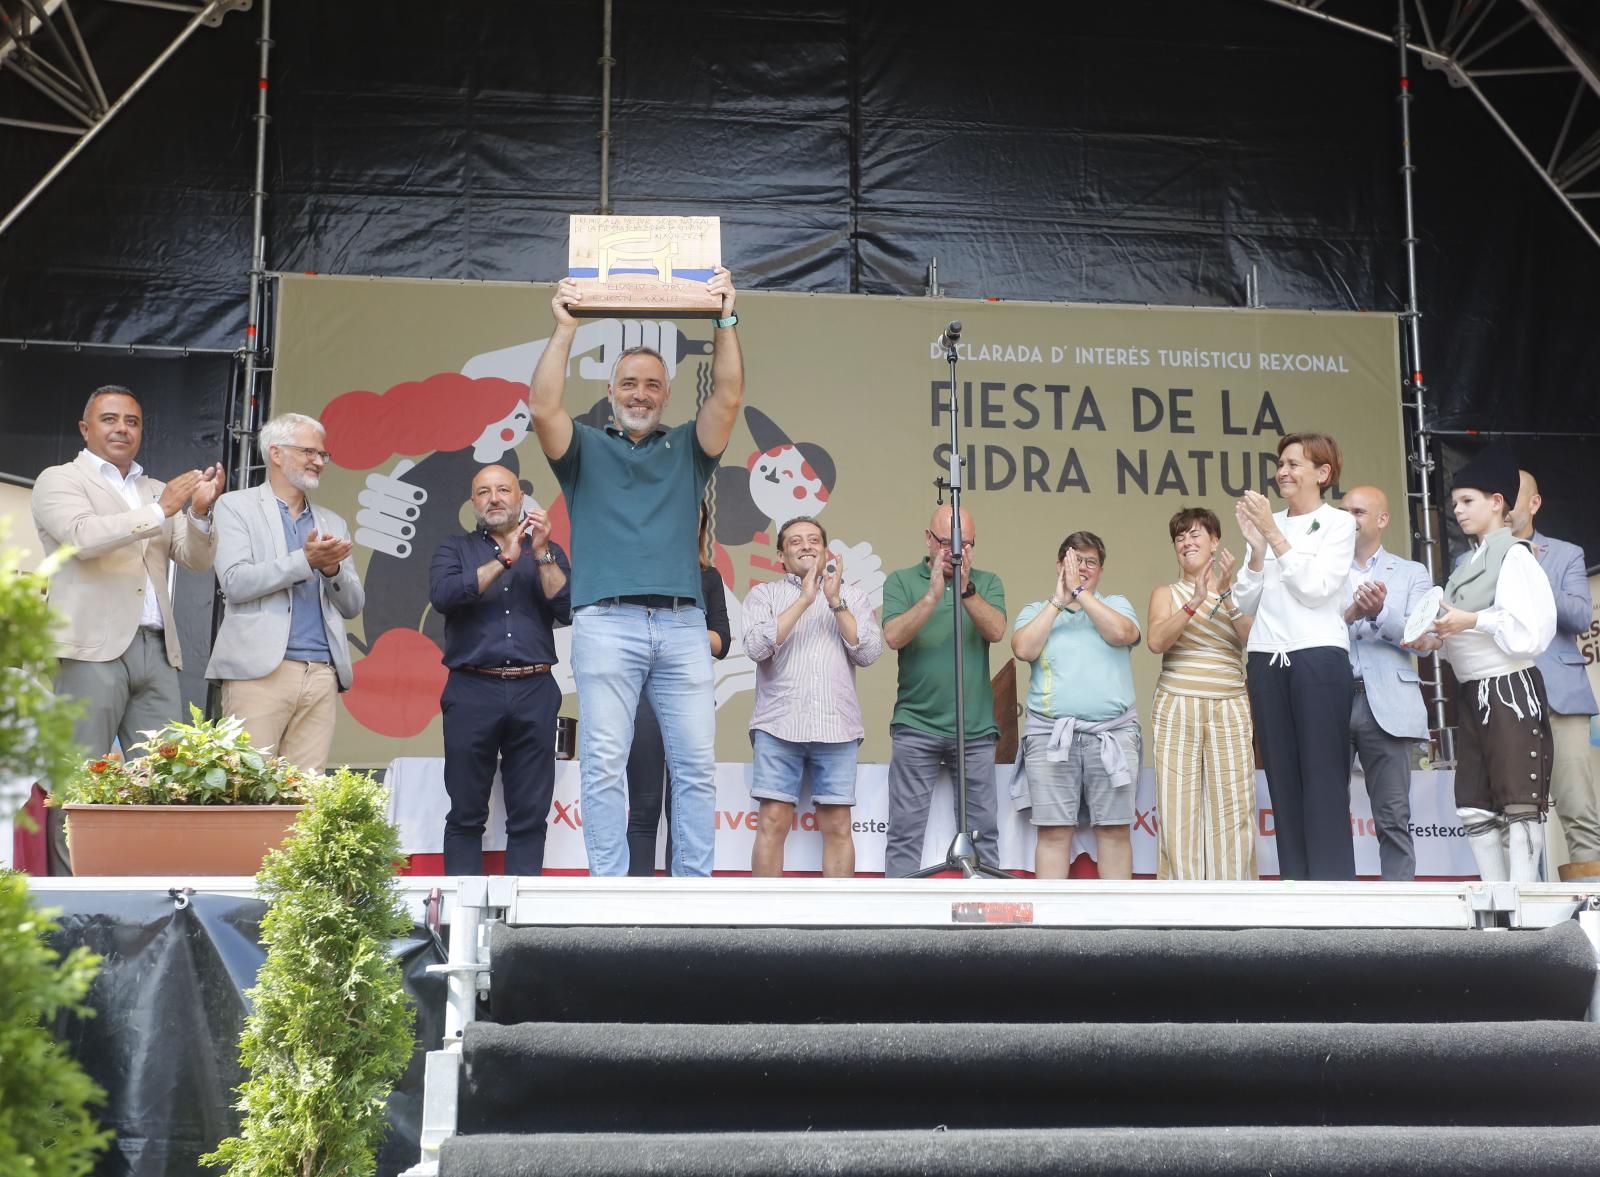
301, 479
634, 420
494, 517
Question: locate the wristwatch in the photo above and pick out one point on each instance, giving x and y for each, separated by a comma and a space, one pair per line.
503, 558
971, 589
549, 557
731, 321
841, 607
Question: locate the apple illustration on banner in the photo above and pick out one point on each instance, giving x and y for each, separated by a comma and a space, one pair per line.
396, 687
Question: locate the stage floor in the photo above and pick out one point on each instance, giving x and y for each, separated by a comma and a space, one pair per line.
800, 902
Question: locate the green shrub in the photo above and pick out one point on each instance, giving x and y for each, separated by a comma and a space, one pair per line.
331, 1028
45, 1126
35, 726
203, 762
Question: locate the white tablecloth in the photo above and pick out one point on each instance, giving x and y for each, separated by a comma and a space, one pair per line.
418, 804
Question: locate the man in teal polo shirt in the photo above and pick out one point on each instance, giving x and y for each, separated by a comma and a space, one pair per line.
917, 622
633, 494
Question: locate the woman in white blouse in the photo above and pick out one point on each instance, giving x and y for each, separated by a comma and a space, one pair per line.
1298, 656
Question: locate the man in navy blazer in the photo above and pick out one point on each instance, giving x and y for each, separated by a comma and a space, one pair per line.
1387, 716
1566, 683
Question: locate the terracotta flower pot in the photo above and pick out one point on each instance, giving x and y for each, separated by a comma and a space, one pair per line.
175, 839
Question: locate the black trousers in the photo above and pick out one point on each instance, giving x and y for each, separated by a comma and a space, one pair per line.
512, 721
647, 792
1302, 714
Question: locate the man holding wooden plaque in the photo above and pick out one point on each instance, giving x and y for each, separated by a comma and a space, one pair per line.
633, 493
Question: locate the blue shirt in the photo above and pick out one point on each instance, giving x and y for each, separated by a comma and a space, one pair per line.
511, 623
308, 635
635, 510
1079, 673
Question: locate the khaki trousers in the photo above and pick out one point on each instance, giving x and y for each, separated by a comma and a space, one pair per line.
1572, 786
290, 712
1205, 787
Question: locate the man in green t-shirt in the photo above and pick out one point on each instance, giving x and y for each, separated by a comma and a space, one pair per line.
918, 622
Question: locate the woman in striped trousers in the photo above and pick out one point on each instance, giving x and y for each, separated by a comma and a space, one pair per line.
1200, 727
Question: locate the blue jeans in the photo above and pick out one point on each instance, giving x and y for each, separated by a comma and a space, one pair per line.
619, 651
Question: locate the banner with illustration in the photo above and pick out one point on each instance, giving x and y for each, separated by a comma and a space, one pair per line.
1104, 418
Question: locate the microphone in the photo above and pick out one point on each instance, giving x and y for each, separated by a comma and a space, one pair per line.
951, 335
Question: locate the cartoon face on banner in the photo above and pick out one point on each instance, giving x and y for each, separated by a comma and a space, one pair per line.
1105, 419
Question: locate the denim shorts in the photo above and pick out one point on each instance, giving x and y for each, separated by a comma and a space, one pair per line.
781, 765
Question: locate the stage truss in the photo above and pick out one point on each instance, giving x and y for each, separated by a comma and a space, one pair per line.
41, 43
1526, 63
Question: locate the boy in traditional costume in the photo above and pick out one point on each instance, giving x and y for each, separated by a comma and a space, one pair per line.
1498, 616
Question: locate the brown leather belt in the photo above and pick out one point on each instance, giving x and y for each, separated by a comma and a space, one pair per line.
509, 671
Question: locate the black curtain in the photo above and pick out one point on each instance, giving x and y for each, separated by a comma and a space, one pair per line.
1148, 151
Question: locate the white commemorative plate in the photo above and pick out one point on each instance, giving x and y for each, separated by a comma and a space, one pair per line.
1424, 615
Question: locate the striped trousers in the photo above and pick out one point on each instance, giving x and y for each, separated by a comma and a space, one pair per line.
1205, 787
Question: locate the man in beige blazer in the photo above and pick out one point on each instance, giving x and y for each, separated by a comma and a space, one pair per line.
118, 646
285, 568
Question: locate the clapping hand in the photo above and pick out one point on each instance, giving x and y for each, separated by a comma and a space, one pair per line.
1064, 586
1223, 563
1369, 597
1246, 518
177, 493
1071, 571
326, 552
810, 579
534, 530
211, 484
832, 582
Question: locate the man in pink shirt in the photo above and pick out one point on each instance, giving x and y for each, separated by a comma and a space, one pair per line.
806, 634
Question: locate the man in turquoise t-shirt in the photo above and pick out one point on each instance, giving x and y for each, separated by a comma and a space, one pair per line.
638, 623
1080, 737
917, 621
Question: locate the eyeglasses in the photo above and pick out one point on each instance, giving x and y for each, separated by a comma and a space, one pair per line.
308, 452
944, 541
1088, 563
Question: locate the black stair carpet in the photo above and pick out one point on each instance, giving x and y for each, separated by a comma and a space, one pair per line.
979, 1051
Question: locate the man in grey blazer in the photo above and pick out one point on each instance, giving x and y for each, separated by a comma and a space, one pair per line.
284, 564
1387, 716
1566, 683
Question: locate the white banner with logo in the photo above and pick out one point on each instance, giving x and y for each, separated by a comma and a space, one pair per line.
418, 804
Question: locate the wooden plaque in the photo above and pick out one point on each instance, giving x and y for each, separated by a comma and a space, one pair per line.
644, 265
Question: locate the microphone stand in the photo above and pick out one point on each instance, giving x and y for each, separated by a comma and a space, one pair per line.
963, 852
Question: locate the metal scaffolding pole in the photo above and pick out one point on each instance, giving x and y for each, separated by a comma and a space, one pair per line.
1421, 458
606, 63
247, 418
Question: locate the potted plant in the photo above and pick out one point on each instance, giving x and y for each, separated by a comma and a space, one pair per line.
200, 800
